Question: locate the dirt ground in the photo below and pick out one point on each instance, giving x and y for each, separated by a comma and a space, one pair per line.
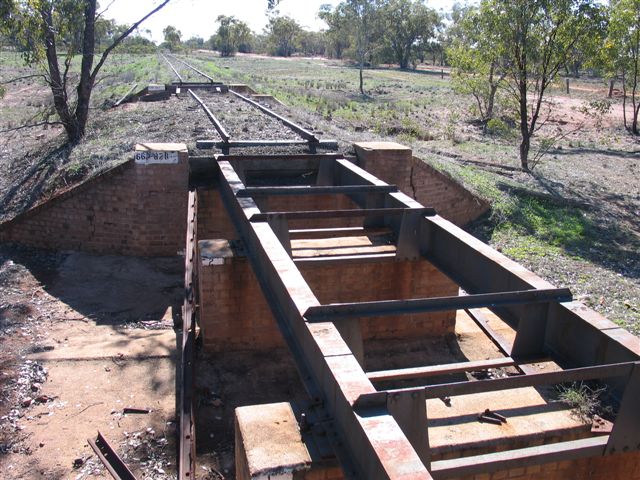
83, 337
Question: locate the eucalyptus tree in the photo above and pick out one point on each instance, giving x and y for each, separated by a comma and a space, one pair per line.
478, 68
361, 21
533, 40
407, 26
47, 31
621, 57
230, 35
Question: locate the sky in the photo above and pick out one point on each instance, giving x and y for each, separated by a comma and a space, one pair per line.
197, 17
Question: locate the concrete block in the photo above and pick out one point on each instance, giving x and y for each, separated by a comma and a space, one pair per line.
268, 443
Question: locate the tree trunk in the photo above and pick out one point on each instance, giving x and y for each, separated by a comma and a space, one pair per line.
624, 101
524, 125
85, 87
361, 80
491, 102
58, 88
611, 84
525, 145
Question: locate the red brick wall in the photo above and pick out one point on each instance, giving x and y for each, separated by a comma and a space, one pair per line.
132, 209
213, 221
235, 315
396, 165
624, 466
450, 199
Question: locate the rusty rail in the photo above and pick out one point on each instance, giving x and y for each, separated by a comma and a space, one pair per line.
200, 72
216, 123
172, 68
303, 132
110, 459
187, 444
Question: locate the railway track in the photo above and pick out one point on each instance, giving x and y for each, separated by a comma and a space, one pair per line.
187, 73
301, 135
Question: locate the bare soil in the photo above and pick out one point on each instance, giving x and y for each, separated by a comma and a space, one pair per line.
82, 338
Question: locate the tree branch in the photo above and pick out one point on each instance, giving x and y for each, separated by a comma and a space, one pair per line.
118, 40
105, 9
17, 79
31, 125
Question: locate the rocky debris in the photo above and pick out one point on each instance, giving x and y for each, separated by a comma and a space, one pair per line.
148, 450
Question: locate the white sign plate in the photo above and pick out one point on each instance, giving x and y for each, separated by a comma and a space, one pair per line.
147, 157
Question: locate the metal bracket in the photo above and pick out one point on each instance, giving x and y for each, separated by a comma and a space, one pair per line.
625, 435
409, 409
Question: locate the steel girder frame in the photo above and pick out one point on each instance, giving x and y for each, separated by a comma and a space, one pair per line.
372, 440
378, 428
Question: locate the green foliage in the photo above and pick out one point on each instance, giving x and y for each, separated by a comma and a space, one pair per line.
620, 56
584, 400
172, 38
338, 36
231, 34
24, 22
499, 128
408, 25
44, 30
477, 65
523, 44
312, 43
283, 34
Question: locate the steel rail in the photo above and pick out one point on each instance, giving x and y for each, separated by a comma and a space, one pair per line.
173, 68
323, 144
216, 123
341, 311
304, 133
186, 435
196, 70
110, 459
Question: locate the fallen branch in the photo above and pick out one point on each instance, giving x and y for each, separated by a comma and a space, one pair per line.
32, 125
17, 79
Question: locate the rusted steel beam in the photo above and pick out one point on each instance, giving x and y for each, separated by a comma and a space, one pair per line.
216, 123
347, 213
435, 370
322, 144
125, 96
312, 233
373, 445
524, 457
304, 133
110, 459
344, 259
339, 311
625, 434
268, 159
186, 434
314, 190
453, 389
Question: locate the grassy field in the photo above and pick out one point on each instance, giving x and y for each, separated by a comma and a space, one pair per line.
574, 220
